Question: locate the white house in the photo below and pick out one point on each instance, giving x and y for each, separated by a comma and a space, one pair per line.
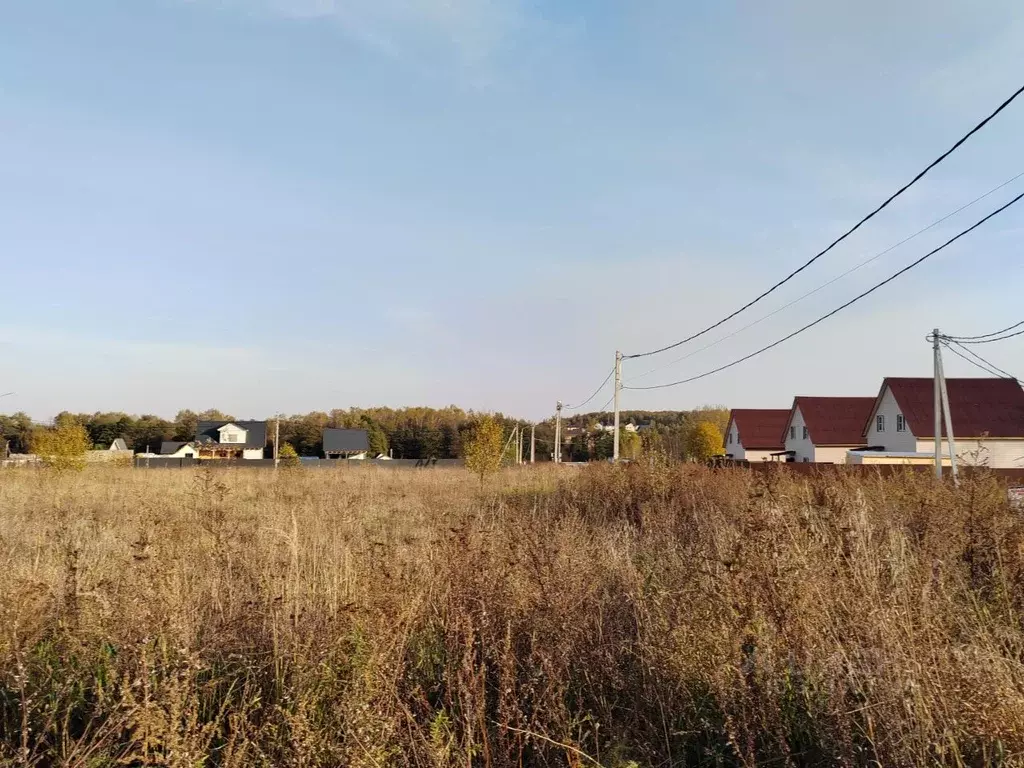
755, 434
174, 450
231, 439
987, 416
823, 429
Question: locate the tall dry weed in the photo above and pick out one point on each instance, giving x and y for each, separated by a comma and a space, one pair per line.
632, 616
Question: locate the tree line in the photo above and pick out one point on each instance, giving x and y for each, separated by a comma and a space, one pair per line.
405, 433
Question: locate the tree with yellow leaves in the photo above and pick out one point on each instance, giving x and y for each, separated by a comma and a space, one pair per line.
63, 446
484, 449
704, 441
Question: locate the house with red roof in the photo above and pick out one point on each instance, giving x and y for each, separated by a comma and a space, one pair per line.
987, 416
754, 434
823, 429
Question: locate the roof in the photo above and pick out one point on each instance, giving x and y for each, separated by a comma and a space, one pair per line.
168, 447
255, 433
987, 407
760, 428
835, 421
346, 440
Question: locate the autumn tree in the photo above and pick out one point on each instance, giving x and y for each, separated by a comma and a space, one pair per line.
630, 445
484, 449
704, 441
288, 456
63, 446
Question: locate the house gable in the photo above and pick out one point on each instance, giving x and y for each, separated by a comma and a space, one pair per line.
983, 407
232, 434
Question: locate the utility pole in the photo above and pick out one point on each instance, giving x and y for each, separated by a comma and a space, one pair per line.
533, 443
941, 401
615, 397
938, 404
519, 442
558, 433
277, 440
950, 437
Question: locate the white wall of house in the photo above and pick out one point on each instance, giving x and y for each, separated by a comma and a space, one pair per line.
890, 437
733, 446
831, 454
252, 453
796, 441
185, 452
755, 455
232, 433
998, 454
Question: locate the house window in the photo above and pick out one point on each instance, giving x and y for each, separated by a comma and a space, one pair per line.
792, 433
880, 422
806, 460
901, 423
230, 437
805, 433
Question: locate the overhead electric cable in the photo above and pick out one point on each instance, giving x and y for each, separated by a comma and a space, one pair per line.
990, 341
877, 256
842, 237
596, 392
984, 335
840, 308
984, 364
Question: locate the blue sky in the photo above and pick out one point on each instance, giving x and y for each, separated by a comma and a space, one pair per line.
264, 205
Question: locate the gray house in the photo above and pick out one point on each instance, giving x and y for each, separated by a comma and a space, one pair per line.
345, 443
231, 439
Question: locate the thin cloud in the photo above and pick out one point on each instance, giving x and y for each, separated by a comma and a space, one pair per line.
471, 30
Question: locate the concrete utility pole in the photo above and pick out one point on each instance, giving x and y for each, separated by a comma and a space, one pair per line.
615, 397
558, 433
941, 394
277, 440
937, 400
519, 444
950, 437
533, 443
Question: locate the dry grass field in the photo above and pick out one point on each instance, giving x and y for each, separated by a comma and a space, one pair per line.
646, 617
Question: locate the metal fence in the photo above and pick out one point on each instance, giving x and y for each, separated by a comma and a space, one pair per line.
165, 462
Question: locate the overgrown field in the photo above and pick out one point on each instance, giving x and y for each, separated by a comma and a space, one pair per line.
631, 617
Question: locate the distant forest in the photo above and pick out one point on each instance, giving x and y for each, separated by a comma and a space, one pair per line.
408, 433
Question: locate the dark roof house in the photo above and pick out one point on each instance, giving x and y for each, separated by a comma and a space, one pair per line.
341, 441
214, 432
759, 428
992, 408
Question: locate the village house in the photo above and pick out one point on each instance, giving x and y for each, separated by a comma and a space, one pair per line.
823, 429
987, 416
231, 439
346, 443
178, 450
755, 434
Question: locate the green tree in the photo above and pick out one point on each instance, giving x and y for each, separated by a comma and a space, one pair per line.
288, 456
630, 445
185, 425
63, 446
483, 451
704, 441
378, 439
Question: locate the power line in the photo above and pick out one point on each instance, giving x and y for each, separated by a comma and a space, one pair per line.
834, 280
989, 341
845, 235
985, 335
840, 308
596, 393
983, 364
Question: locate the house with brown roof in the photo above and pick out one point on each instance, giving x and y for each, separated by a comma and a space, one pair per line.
823, 429
754, 434
987, 416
